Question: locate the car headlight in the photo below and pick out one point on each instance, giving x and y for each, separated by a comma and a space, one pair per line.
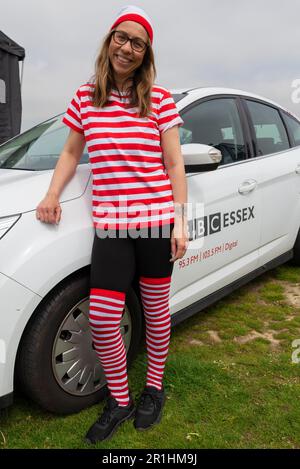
6, 223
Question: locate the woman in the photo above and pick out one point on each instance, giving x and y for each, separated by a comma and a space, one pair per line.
139, 193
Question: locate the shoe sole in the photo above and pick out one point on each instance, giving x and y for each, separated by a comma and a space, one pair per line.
113, 430
142, 429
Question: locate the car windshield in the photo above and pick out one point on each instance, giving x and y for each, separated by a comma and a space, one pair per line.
37, 149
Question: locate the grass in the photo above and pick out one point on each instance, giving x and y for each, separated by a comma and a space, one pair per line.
229, 378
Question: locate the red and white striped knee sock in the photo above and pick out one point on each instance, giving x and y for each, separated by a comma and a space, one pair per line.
106, 308
155, 300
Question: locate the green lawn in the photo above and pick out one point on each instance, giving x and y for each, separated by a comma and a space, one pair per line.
229, 378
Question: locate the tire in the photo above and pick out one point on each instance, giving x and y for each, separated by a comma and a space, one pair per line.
57, 346
296, 252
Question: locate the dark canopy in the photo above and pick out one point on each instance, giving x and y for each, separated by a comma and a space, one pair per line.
10, 92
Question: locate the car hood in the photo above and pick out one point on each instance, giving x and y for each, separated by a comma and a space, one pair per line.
21, 191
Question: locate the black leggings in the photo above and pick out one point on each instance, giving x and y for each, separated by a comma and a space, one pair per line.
115, 261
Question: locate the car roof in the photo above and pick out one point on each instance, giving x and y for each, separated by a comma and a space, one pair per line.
202, 91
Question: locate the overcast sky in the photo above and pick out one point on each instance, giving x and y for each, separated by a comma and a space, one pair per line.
250, 45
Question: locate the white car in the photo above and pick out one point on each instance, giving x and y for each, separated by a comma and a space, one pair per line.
242, 157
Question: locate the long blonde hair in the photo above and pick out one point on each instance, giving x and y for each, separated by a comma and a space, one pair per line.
142, 81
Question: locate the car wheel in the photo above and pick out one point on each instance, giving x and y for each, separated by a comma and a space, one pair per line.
296, 252
57, 365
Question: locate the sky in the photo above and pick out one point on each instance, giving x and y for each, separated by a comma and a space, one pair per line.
249, 45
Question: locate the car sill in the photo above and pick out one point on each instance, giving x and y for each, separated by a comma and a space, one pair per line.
196, 307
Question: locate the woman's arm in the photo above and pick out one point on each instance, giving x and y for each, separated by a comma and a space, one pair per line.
66, 166
174, 164
49, 209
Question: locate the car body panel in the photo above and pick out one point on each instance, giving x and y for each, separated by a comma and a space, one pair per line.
15, 184
49, 252
280, 204
227, 251
17, 304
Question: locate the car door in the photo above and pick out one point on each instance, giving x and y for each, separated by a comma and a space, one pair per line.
276, 162
224, 205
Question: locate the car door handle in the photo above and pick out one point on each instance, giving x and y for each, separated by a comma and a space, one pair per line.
297, 170
247, 186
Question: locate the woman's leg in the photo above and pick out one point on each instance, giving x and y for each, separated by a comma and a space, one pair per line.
112, 270
155, 270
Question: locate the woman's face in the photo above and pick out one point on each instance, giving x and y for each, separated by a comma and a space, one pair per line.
131, 58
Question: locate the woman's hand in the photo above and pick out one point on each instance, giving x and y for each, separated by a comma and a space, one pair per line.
179, 239
49, 210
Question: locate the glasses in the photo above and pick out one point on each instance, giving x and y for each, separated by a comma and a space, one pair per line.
137, 44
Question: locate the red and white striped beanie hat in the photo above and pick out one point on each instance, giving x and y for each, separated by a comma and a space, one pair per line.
137, 14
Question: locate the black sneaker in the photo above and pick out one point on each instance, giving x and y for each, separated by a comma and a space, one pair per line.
149, 408
113, 415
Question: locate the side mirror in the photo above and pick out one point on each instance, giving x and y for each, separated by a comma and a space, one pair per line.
199, 157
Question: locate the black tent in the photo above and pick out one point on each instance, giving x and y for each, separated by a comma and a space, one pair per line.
10, 89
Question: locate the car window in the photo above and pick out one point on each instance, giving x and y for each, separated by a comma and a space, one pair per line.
269, 129
38, 148
178, 96
215, 122
294, 128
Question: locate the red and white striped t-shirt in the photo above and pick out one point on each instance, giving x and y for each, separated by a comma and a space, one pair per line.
131, 188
